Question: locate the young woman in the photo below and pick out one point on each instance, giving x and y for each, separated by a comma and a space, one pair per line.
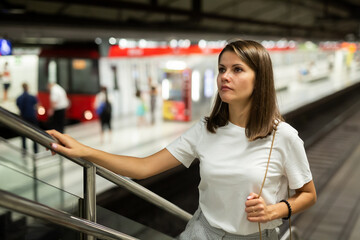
233, 146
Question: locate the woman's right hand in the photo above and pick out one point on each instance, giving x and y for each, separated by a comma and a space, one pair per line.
67, 145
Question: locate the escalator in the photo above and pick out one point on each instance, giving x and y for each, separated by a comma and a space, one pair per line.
33, 207
18, 226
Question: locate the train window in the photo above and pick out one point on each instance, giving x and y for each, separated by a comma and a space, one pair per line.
43, 74
84, 76
63, 73
52, 71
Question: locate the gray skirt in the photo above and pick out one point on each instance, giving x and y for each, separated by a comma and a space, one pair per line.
198, 228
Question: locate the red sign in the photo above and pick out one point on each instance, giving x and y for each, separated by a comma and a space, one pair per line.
116, 51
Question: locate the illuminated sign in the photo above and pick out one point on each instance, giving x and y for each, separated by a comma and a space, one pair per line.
79, 64
5, 47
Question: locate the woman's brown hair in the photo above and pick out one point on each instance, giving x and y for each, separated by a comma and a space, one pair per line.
264, 110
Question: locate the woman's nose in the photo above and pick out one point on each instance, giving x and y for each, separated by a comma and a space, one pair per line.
225, 76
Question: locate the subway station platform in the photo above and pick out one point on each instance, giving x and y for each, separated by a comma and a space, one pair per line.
127, 138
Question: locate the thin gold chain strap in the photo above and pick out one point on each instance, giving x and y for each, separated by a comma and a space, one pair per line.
290, 216
267, 167
263, 182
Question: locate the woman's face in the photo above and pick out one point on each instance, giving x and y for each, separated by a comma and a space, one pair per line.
235, 79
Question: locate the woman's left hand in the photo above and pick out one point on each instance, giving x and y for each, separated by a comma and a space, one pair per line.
256, 209
67, 145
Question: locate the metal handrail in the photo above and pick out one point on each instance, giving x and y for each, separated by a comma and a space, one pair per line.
17, 124
37, 210
144, 193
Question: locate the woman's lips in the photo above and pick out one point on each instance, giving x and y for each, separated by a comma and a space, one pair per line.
225, 88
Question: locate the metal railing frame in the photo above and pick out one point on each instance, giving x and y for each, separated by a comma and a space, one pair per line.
37, 210
15, 123
35, 157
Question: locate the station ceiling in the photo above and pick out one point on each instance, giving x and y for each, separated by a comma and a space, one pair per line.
31, 21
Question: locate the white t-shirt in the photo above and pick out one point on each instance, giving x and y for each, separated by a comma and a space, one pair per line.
58, 97
231, 168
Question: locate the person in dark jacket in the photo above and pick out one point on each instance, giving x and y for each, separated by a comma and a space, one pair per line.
104, 111
27, 105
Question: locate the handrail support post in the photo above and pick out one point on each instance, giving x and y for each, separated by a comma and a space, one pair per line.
90, 195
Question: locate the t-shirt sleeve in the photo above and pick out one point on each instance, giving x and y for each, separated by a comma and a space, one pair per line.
184, 147
54, 96
296, 164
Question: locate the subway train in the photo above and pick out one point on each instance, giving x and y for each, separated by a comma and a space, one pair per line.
184, 75
77, 71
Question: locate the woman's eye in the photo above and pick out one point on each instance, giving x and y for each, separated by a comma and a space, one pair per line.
238, 69
221, 70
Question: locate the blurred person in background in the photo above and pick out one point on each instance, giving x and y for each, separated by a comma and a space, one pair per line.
153, 99
6, 79
103, 110
59, 102
140, 109
243, 142
27, 105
